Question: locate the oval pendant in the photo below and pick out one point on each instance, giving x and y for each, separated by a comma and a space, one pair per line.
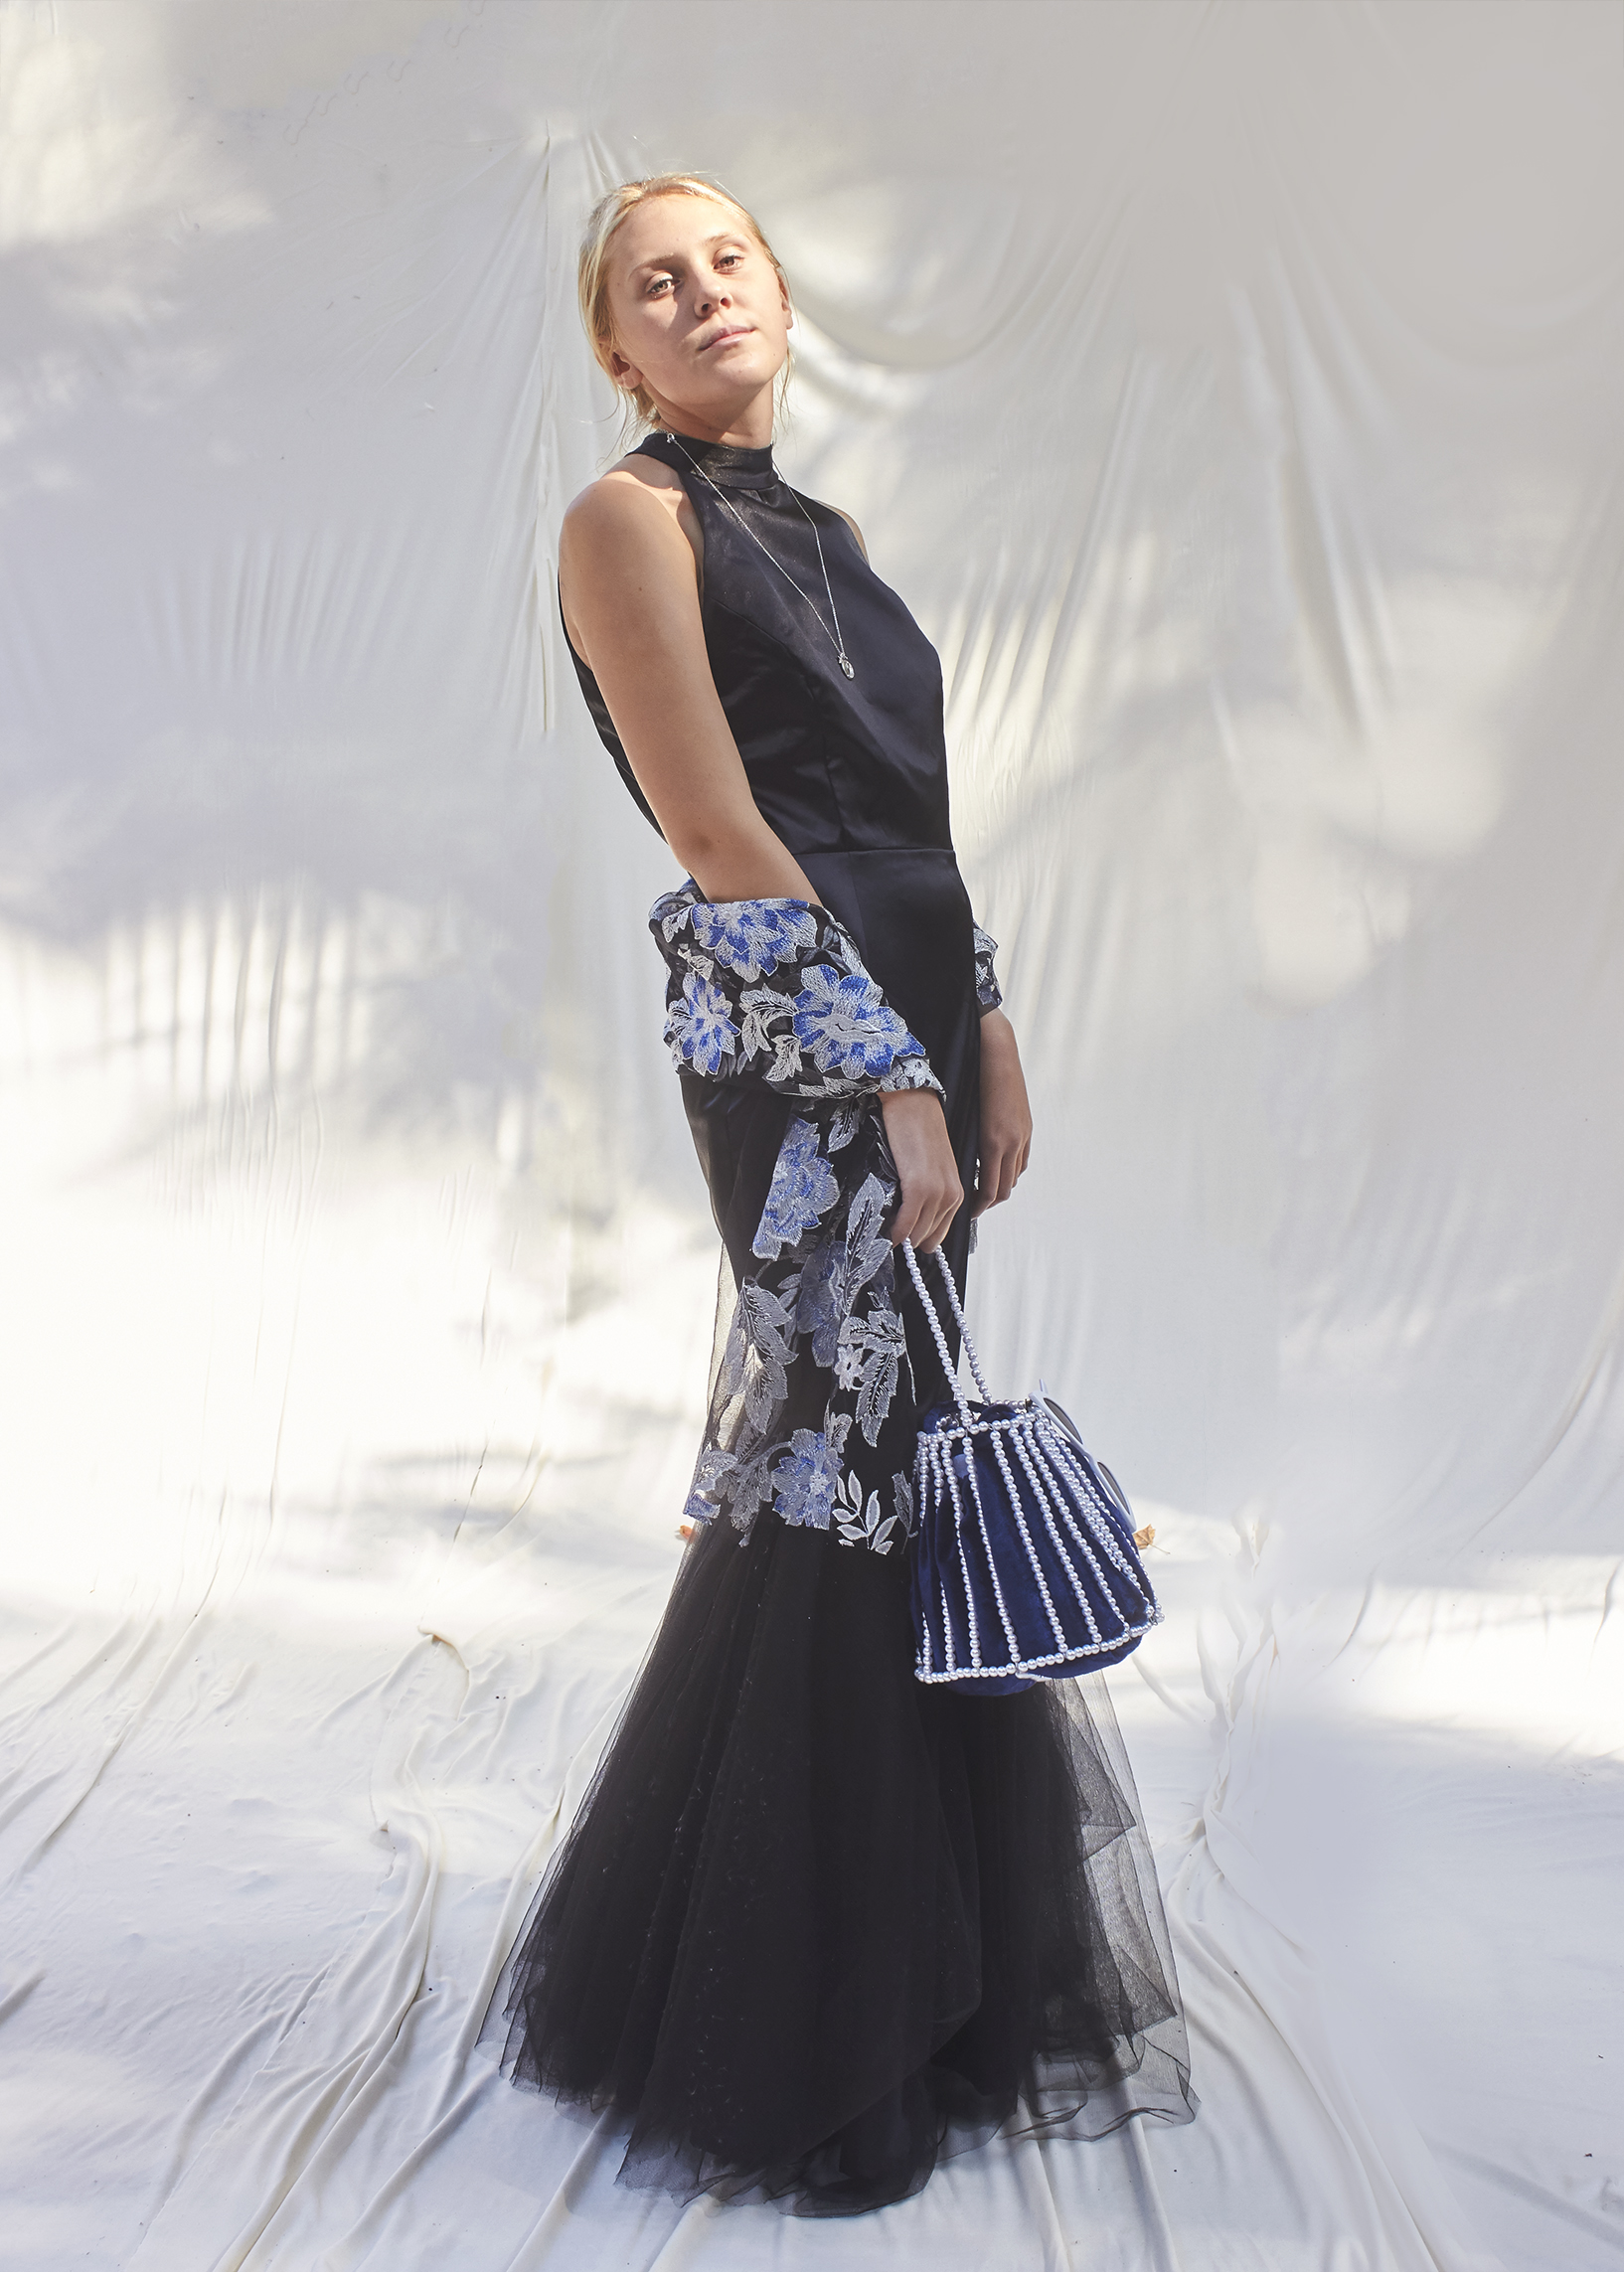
845, 666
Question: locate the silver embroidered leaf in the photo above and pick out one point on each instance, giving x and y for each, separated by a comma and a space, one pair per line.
761, 1321
866, 1246
760, 1006
844, 1126
863, 1525
868, 1358
751, 1483
787, 1060
818, 1313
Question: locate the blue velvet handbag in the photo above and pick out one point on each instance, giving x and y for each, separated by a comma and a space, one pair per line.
1026, 1563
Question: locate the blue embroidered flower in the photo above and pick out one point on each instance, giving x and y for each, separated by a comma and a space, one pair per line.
753, 936
803, 1189
699, 1028
805, 1480
848, 1025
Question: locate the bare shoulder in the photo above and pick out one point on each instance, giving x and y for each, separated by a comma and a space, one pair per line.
852, 525
629, 494
629, 544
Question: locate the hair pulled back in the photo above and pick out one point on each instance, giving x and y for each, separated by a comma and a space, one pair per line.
594, 275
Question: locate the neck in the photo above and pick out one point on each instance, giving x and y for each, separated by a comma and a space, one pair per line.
747, 424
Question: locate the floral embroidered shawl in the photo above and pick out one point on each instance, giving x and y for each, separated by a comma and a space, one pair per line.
773, 992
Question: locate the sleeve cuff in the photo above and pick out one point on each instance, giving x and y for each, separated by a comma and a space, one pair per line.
987, 991
911, 1072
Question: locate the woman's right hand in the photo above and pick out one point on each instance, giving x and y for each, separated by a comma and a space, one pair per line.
931, 1192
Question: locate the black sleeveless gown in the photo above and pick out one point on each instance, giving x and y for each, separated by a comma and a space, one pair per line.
816, 1924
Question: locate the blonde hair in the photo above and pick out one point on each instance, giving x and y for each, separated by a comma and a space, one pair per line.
593, 278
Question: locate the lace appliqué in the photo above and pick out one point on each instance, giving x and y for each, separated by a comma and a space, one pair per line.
863, 1525
775, 992
823, 1031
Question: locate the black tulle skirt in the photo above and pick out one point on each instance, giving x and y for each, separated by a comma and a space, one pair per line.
817, 1925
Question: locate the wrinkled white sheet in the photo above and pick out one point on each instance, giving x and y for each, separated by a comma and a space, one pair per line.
1233, 392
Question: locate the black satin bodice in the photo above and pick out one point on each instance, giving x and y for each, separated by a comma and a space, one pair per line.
835, 764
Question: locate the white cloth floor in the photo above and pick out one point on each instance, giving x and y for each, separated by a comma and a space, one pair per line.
1233, 392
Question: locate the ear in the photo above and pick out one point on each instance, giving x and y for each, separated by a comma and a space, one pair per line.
625, 375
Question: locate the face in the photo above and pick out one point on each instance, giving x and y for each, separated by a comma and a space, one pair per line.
700, 318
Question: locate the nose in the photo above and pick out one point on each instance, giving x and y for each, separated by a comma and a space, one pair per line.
710, 294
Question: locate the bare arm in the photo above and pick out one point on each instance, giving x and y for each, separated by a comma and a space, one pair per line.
631, 591
1006, 1116
631, 599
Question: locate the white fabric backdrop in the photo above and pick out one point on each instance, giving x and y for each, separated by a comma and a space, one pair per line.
1232, 391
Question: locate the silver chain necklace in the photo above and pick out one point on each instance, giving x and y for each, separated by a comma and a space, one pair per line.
834, 637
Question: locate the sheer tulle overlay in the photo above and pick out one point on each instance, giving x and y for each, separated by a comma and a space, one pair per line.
817, 1927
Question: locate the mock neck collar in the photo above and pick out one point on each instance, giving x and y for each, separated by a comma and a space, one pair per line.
728, 465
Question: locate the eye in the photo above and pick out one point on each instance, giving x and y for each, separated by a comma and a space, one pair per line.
729, 260
658, 284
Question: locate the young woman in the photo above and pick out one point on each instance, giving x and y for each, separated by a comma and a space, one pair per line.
817, 1922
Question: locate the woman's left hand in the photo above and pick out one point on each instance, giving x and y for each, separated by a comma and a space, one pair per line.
1006, 1116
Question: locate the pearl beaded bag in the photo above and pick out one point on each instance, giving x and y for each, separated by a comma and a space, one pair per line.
1026, 1563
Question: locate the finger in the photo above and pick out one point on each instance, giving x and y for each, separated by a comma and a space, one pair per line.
940, 1222
950, 1206
921, 1219
906, 1221
995, 1182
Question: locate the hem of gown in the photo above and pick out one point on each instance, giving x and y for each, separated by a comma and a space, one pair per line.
1019, 1899
851, 2172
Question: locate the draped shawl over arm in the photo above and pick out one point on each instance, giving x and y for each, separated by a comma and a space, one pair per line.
774, 994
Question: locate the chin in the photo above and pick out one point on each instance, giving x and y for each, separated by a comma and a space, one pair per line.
737, 369
718, 402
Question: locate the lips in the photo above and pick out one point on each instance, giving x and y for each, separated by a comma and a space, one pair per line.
733, 331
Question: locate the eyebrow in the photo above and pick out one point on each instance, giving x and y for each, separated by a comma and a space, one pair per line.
666, 259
